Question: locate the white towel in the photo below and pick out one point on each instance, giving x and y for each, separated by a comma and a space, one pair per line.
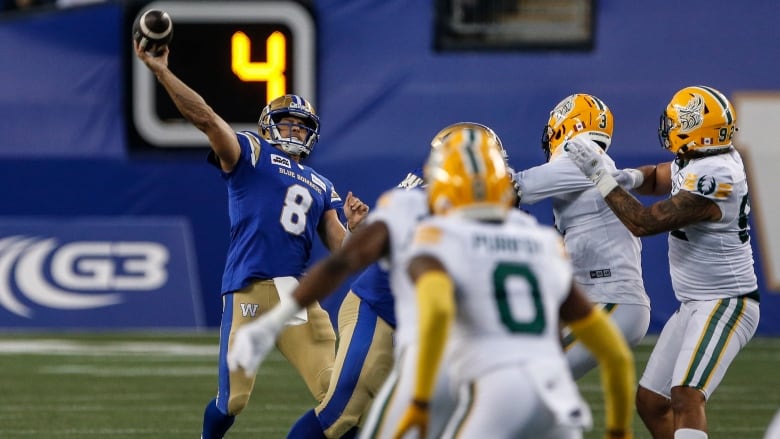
285, 285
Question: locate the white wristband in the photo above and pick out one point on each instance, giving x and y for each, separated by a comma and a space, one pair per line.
606, 184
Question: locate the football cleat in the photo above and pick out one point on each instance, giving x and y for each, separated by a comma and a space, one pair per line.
466, 175
697, 118
295, 106
578, 114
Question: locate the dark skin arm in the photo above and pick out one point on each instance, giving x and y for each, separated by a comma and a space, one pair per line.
366, 246
576, 306
682, 209
423, 264
657, 181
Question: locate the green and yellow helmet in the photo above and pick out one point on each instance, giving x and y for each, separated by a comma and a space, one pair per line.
698, 118
466, 175
578, 114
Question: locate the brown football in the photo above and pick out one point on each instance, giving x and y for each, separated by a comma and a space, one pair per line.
153, 30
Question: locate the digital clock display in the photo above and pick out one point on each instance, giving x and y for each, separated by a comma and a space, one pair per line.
236, 55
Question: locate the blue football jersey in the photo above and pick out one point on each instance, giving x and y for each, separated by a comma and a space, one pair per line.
373, 285
275, 206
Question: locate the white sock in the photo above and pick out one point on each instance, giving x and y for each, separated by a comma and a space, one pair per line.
689, 433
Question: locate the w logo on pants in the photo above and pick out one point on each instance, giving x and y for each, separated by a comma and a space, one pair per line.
248, 309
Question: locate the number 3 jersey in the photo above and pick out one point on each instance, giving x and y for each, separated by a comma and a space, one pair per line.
713, 259
607, 258
510, 280
275, 206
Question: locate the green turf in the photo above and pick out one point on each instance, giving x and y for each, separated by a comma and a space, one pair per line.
155, 386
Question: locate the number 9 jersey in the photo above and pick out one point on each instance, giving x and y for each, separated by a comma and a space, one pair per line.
713, 259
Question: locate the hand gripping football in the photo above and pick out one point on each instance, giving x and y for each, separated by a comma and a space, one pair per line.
153, 30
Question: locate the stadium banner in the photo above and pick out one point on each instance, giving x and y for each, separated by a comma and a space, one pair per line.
98, 273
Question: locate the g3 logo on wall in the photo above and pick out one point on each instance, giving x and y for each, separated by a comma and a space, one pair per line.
88, 273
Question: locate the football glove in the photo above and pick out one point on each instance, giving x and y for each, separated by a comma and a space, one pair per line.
415, 416
251, 344
589, 157
629, 178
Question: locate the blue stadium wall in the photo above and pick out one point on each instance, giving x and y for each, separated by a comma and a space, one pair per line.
71, 183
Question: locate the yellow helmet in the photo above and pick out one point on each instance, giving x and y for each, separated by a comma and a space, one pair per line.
578, 114
446, 131
698, 118
466, 174
296, 106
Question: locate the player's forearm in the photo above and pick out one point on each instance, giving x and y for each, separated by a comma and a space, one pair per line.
657, 180
189, 103
322, 280
436, 303
636, 217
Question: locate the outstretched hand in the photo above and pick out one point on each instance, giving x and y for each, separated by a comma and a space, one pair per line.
354, 210
589, 158
250, 345
587, 155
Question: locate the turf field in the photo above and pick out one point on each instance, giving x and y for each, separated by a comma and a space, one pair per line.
155, 386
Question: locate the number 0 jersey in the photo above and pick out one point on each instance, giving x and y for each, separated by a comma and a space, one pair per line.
713, 259
275, 206
510, 280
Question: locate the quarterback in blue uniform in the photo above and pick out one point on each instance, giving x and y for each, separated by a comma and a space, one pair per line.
275, 206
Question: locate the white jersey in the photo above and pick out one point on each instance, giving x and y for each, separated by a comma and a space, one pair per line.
510, 280
400, 210
713, 259
606, 256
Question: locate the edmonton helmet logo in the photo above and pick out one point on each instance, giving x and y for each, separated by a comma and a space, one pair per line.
84, 274
691, 115
563, 109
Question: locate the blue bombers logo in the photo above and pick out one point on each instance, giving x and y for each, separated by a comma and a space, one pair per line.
76, 275
706, 185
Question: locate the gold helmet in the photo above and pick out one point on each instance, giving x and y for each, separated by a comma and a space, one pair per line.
697, 118
296, 106
466, 174
438, 140
578, 114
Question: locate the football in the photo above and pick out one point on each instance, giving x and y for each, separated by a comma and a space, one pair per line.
153, 30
